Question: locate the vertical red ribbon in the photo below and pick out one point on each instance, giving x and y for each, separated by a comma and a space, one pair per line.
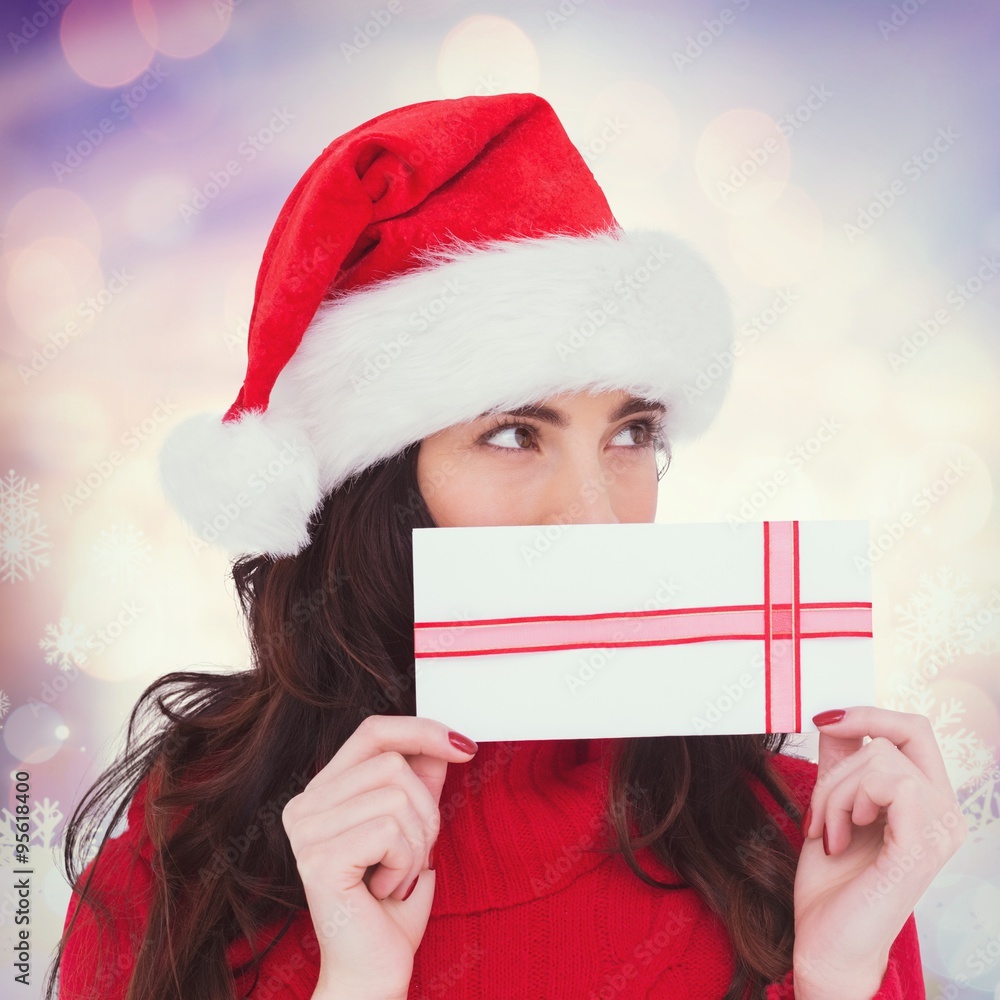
782, 627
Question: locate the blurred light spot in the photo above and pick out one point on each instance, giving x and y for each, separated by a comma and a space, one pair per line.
52, 212
742, 161
48, 284
62, 732
968, 927
102, 42
29, 733
125, 613
487, 55
781, 244
182, 28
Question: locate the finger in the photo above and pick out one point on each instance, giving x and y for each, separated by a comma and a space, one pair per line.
341, 863
840, 772
389, 768
410, 735
860, 798
912, 733
389, 800
833, 750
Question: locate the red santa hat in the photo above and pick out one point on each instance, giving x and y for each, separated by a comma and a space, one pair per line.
438, 261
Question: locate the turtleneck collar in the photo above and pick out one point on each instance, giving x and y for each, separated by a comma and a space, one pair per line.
520, 821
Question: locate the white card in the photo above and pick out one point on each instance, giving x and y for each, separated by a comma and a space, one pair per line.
611, 630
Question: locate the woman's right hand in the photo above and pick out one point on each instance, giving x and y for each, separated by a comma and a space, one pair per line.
373, 806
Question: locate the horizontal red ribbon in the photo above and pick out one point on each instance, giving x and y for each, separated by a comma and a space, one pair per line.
781, 622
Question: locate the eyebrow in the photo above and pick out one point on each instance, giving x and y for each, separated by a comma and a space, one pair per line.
558, 419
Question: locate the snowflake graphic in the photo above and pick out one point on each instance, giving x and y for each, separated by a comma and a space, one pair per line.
120, 552
981, 802
4, 703
64, 644
965, 755
22, 535
44, 818
940, 620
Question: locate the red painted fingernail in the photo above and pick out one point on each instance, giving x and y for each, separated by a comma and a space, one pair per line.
432, 857
408, 891
828, 718
805, 820
826, 844
462, 742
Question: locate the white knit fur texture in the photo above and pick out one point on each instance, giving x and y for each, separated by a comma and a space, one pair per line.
477, 328
501, 327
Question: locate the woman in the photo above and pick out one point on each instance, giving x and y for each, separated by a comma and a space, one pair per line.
450, 329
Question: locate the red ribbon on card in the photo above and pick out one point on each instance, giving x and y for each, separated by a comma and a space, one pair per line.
781, 622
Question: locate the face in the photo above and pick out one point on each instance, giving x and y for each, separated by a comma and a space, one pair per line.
574, 458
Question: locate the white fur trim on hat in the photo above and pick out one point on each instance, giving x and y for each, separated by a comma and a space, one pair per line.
247, 485
477, 327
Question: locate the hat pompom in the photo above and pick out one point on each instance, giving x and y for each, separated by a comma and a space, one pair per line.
247, 485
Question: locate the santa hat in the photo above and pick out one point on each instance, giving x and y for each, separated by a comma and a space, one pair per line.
438, 261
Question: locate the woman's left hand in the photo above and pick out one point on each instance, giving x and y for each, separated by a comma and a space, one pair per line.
882, 822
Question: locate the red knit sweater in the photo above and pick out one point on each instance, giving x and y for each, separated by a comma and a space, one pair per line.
523, 906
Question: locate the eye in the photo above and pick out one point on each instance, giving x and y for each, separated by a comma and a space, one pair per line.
639, 434
513, 437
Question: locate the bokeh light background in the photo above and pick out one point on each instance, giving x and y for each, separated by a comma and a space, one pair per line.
838, 163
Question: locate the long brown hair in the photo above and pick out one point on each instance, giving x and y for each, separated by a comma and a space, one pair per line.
331, 642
